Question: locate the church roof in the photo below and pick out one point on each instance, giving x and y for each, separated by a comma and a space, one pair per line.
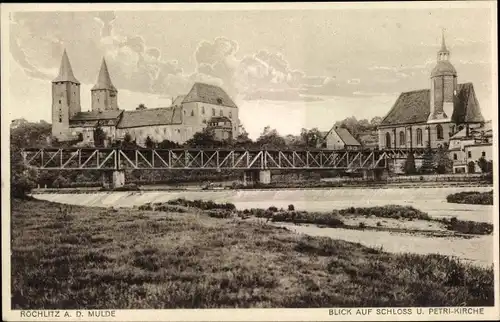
210, 94
414, 107
344, 135
178, 100
104, 80
150, 117
443, 68
65, 71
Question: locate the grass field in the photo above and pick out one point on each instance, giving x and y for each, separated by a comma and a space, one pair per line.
78, 257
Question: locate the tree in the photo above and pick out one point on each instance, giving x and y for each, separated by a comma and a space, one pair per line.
141, 107
270, 138
409, 165
242, 140
99, 137
442, 162
202, 139
150, 144
484, 165
310, 138
428, 162
167, 144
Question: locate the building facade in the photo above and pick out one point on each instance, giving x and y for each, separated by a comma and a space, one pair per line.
178, 123
467, 147
430, 117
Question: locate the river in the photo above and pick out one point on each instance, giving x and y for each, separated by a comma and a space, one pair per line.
478, 250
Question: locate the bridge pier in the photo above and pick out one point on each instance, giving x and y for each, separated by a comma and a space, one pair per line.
265, 176
113, 179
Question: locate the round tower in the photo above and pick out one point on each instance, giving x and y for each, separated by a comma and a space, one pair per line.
443, 86
65, 99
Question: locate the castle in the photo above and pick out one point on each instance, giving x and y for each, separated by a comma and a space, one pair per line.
204, 107
430, 117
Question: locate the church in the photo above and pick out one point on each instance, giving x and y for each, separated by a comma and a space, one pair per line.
201, 108
430, 117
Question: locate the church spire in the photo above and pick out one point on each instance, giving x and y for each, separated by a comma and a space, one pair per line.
65, 71
443, 43
443, 53
104, 80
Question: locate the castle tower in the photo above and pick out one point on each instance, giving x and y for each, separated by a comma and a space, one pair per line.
65, 99
104, 93
443, 86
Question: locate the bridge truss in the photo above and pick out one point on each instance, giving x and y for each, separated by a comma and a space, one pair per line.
207, 159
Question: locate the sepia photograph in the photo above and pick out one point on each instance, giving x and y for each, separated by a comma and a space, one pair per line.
259, 160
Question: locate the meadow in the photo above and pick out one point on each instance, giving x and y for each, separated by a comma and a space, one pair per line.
73, 257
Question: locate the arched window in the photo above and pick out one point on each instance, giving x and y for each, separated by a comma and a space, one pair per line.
230, 114
419, 137
221, 113
192, 112
203, 110
387, 140
439, 132
402, 138
455, 156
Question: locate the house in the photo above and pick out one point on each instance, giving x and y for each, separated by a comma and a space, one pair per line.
469, 145
220, 127
339, 138
430, 117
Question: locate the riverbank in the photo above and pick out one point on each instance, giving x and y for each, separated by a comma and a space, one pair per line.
75, 257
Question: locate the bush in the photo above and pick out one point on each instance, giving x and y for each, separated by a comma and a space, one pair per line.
468, 227
389, 211
325, 219
362, 225
201, 204
219, 213
471, 198
273, 209
291, 207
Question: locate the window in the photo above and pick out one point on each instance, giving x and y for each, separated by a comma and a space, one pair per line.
419, 137
453, 129
203, 110
192, 112
387, 140
184, 112
60, 119
59, 101
221, 113
402, 138
469, 154
230, 114
165, 131
483, 154
455, 156
219, 100
439, 132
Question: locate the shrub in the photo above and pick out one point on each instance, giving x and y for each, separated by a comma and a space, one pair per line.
471, 197
291, 207
219, 213
326, 219
468, 227
273, 209
362, 225
389, 211
201, 204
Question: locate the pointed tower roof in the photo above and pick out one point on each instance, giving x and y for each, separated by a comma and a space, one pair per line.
65, 71
443, 43
104, 80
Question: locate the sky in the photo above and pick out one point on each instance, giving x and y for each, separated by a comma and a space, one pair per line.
288, 69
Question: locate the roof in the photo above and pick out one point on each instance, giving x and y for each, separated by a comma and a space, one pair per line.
443, 68
219, 119
150, 117
97, 115
65, 71
178, 100
210, 94
484, 131
104, 80
414, 107
95, 118
344, 135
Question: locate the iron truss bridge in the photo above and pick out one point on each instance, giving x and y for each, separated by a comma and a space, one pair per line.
207, 159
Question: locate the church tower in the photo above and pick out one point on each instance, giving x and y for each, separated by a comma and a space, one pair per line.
104, 93
65, 99
443, 87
